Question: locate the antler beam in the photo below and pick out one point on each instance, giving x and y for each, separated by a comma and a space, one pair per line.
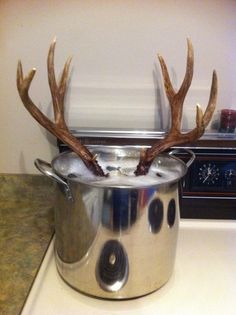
176, 101
59, 127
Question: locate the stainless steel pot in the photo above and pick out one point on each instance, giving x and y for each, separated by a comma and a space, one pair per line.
116, 240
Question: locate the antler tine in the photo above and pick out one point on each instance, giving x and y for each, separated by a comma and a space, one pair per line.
202, 120
212, 100
170, 92
199, 117
23, 85
176, 100
59, 128
63, 81
57, 92
189, 72
19, 77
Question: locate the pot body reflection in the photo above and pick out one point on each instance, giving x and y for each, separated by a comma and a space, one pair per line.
116, 241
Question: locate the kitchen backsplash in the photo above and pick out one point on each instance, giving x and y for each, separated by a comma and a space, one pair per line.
113, 104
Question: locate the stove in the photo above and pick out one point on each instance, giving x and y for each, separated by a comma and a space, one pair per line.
209, 189
203, 281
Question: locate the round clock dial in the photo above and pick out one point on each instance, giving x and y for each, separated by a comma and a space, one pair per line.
208, 174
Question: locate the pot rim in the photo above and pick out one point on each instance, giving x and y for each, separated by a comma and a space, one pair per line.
70, 177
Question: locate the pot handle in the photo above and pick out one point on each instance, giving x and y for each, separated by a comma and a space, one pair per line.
192, 158
46, 169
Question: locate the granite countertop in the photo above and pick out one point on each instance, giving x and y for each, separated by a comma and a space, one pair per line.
26, 228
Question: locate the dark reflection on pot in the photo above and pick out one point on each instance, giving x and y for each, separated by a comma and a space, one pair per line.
120, 202
133, 206
155, 215
112, 267
171, 212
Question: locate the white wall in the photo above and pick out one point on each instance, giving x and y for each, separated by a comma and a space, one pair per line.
115, 79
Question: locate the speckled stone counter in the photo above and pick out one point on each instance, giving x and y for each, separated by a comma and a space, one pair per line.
26, 228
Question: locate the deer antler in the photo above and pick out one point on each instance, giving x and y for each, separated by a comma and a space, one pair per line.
176, 100
59, 128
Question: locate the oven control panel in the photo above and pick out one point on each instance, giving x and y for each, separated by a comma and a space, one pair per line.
212, 174
209, 188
